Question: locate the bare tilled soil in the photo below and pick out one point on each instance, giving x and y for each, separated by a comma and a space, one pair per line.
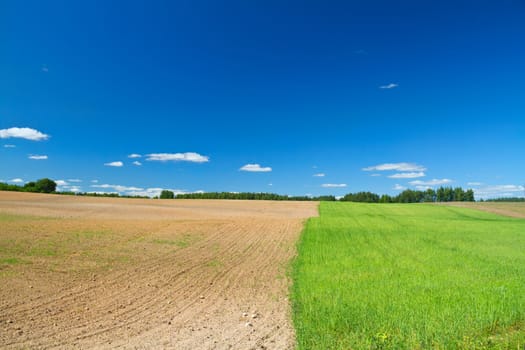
79, 272
515, 210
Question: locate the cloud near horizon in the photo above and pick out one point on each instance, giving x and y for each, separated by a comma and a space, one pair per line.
136, 191
38, 157
396, 167
255, 168
497, 191
319, 175
178, 157
333, 185
433, 182
23, 133
407, 175
134, 155
117, 164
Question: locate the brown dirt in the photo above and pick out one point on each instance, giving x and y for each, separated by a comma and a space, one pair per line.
80, 272
515, 210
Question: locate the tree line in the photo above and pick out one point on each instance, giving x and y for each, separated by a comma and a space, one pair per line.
40, 186
244, 195
442, 194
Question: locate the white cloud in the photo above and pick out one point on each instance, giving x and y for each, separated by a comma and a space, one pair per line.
407, 175
94, 181
118, 188
137, 163
422, 188
474, 183
255, 168
495, 191
178, 157
38, 157
134, 155
389, 86
9, 146
61, 182
74, 180
64, 186
270, 184
16, 181
114, 164
319, 175
433, 182
375, 175
396, 167
23, 133
333, 185
398, 187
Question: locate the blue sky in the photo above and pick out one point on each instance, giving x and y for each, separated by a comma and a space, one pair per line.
264, 95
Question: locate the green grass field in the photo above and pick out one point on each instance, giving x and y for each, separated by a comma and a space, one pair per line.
409, 276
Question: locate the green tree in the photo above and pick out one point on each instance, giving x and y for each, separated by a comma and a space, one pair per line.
165, 194
45, 185
469, 196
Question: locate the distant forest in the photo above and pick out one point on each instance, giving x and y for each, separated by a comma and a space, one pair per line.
442, 194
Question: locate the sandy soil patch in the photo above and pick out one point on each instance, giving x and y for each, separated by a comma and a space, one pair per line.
80, 272
515, 210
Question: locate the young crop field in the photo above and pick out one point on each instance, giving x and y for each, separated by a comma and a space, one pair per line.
409, 276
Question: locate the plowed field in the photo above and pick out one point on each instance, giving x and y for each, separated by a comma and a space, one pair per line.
79, 272
512, 209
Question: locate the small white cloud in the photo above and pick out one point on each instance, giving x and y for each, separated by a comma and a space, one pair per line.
407, 175
333, 185
396, 167
74, 180
422, 188
134, 155
389, 86
475, 183
398, 187
94, 181
23, 133
375, 175
16, 181
9, 146
319, 175
38, 157
114, 164
137, 163
270, 184
178, 157
433, 182
255, 168
61, 182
